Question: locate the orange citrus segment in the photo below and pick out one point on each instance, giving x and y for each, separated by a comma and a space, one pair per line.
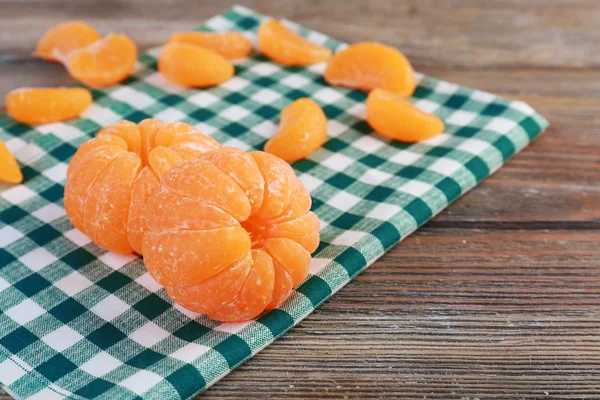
103, 63
179, 258
216, 292
282, 286
46, 105
393, 117
170, 132
9, 168
107, 206
231, 45
279, 184
142, 190
170, 212
90, 146
241, 167
294, 258
64, 38
255, 294
304, 230
193, 66
161, 159
126, 130
286, 47
149, 128
303, 129
371, 65
300, 206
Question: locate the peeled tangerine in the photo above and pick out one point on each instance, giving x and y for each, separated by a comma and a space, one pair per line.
103, 63
371, 65
303, 129
396, 118
64, 38
230, 233
231, 45
45, 105
286, 47
9, 169
111, 177
193, 66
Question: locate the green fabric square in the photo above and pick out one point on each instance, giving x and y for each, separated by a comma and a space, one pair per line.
56, 367
316, 289
234, 350
114, 281
145, 359
43, 235
68, 310
278, 321
152, 306
106, 336
18, 339
32, 285
187, 381
12, 215
191, 331
94, 389
78, 258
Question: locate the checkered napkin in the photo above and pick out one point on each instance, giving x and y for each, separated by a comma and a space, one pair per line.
79, 322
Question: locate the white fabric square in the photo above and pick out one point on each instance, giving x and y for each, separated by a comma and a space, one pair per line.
232, 327
110, 308
37, 259
436, 140
416, 188
501, 125
310, 182
461, 118
170, 115
522, 107
136, 99
205, 128
158, 80
295, 81
335, 128
383, 211
473, 146
24, 312
73, 283
17, 194
103, 116
149, 334
234, 113
147, 281
186, 312
61, 131
235, 83
203, 99
30, 153
317, 264
446, 87
77, 237
328, 95
4, 284
101, 364
265, 96
406, 157
427, 105
142, 381
266, 129
375, 177
47, 394
116, 261
49, 213
190, 352
482, 97
343, 201
219, 23
348, 238
359, 110
264, 69
445, 166
368, 144
318, 68
14, 145
338, 162
8, 235
233, 142
10, 372
317, 37
62, 338
57, 173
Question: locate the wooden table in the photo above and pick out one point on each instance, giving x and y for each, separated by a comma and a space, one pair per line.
497, 297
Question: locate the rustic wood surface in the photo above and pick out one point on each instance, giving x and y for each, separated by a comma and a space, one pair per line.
497, 297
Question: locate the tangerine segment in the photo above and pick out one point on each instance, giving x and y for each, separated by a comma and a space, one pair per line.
64, 38
255, 294
169, 132
193, 145
142, 190
170, 212
242, 168
9, 168
180, 258
90, 146
371, 65
231, 45
279, 184
202, 180
392, 116
216, 292
126, 130
286, 47
107, 206
303, 129
149, 128
103, 63
193, 66
46, 105
161, 159
304, 230
300, 206
282, 287
294, 258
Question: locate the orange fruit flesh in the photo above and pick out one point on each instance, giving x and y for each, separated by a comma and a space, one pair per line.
371, 65
46, 105
286, 47
303, 129
105, 62
193, 66
9, 168
231, 45
392, 116
62, 39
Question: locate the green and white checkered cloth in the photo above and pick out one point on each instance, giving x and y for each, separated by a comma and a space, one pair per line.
79, 322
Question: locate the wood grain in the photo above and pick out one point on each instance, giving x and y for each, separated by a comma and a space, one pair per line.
499, 295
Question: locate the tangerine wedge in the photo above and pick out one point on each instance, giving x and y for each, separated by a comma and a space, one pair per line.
62, 39
113, 176
286, 47
230, 233
231, 45
303, 129
46, 105
371, 65
193, 66
103, 63
9, 168
393, 117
